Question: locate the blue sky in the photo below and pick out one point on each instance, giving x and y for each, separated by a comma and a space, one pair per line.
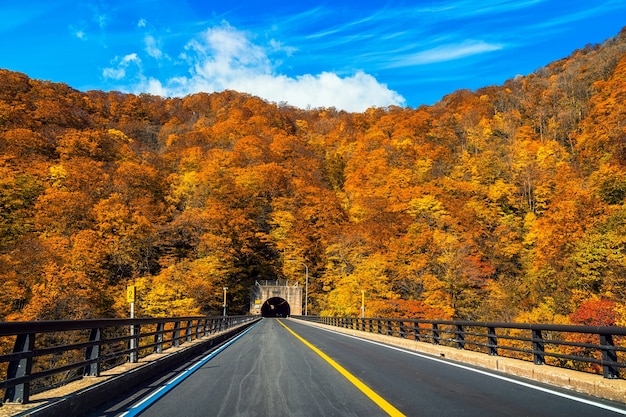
345, 54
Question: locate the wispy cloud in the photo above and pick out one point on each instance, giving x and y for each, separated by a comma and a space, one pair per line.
405, 36
342, 55
121, 65
465, 9
445, 53
152, 47
563, 20
78, 33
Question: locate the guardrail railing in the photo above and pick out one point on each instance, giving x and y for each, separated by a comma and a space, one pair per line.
595, 349
45, 354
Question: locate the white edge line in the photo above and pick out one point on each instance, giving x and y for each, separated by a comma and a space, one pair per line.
486, 373
169, 385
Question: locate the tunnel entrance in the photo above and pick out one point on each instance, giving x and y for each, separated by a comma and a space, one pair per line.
275, 307
276, 298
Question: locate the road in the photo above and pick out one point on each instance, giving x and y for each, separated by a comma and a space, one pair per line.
286, 368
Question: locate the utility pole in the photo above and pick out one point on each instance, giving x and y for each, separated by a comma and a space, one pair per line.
362, 304
131, 297
306, 290
225, 289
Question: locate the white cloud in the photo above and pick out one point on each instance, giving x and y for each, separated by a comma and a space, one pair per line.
152, 47
79, 33
119, 71
223, 58
102, 20
354, 93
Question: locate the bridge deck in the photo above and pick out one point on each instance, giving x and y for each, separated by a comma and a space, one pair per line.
272, 371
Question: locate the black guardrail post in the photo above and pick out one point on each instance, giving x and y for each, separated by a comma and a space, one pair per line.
158, 338
198, 329
492, 341
609, 356
435, 334
189, 331
21, 367
134, 343
538, 347
207, 327
460, 337
416, 331
176, 334
92, 353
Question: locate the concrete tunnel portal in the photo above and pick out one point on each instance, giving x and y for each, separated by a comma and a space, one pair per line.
276, 298
276, 307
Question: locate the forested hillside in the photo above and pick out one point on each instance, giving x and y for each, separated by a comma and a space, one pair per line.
507, 203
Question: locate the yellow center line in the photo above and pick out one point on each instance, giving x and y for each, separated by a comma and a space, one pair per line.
380, 401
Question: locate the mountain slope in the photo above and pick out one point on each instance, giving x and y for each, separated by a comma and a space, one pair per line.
506, 203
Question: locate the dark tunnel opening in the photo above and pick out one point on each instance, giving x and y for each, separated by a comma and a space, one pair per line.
275, 307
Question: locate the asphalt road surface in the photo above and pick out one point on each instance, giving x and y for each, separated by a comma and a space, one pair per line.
286, 368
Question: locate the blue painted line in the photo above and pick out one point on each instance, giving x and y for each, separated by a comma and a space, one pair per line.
147, 402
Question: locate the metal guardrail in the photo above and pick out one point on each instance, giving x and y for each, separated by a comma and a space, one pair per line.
50, 353
583, 348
